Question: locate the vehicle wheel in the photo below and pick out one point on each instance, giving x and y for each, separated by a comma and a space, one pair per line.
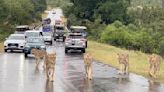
25, 54
5, 50
66, 50
54, 39
86, 44
83, 50
63, 39
11, 50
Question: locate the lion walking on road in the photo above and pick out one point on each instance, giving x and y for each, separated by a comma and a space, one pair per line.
39, 54
123, 60
154, 64
88, 65
50, 65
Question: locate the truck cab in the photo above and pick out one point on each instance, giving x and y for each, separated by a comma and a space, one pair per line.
80, 29
59, 31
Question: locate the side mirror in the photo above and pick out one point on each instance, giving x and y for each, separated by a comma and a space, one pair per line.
25, 36
41, 33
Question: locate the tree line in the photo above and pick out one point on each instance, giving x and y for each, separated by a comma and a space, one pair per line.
19, 12
131, 24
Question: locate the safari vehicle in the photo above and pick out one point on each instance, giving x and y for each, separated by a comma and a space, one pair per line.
33, 42
59, 32
75, 41
22, 29
80, 29
15, 42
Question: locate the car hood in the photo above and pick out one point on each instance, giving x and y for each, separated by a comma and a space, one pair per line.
47, 37
14, 41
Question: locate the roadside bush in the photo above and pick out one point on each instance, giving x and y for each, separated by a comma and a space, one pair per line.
161, 47
116, 36
129, 37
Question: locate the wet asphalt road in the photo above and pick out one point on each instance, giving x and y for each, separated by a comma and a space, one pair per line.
18, 74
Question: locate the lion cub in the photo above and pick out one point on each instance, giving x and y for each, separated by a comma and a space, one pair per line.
123, 60
88, 65
39, 54
50, 65
154, 61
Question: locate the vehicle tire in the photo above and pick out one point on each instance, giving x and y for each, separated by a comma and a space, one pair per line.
63, 39
11, 50
25, 55
5, 50
86, 44
66, 50
83, 50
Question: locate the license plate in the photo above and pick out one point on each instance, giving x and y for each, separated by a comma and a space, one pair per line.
13, 46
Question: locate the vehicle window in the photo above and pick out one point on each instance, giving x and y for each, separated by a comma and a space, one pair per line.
77, 30
32, 34
34, 40
46, 34
75, 36
22, 29
60, 28
17, 37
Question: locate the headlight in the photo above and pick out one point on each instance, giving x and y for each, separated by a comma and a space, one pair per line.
5, 43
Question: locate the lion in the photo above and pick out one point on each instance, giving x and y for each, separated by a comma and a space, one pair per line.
88, 65
154, 65
123, 60
39, 54
50, 65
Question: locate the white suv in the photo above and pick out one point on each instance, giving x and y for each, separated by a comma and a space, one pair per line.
15, 42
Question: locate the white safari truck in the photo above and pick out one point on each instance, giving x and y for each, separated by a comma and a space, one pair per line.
81, 30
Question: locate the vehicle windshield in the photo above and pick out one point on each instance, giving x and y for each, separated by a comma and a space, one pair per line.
78, 30
75, 36
22, 29
59, 28
46, 33
32, 34
17, 38
34, 40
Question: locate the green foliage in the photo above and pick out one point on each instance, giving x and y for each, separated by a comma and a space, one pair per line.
131, 24
19, 12
161, 47
129, 37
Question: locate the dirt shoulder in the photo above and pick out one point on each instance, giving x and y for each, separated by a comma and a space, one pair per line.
108, 54
1, 47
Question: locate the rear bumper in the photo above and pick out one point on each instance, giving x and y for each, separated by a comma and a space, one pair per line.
75, 47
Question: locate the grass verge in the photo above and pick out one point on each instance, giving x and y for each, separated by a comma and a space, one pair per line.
108, 54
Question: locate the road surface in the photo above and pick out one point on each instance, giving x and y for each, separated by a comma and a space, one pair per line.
18, 74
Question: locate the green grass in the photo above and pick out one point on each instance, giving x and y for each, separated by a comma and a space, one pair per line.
108, 54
